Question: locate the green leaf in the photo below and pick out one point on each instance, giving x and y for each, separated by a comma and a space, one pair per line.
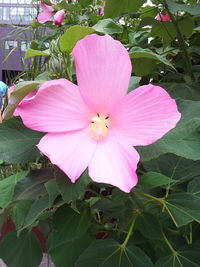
154, 179
69, 237
7, 186
72, 35
194, 187
182, 140
19, 212
108, 26
167, 32
52, 191
115, 8
106, 253
140, 53
34, 185
174, 167
71, 191
134, 83
21, 90
144, 66
187, 257
183, 208
191, 9
188, 91
149, 226
36, 209
33, 53
21, 251
18, 143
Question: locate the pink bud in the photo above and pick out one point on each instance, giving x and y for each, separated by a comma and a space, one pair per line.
58, 17
162, 17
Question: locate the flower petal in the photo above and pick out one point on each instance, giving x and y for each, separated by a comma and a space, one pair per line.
46, 8
145, 115
71, 151
44, 17
30, 95
57, 107
115, 162
103, 69
58, 17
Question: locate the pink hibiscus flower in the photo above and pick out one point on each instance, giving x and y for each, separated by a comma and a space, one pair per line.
95, 124
162, 17
48, 13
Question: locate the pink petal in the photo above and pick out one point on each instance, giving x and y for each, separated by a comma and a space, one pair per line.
44, 17
145, 115
57, 107
71, 151
103, 71
30, 95
162, 17
46, 8
58, 17
115, 162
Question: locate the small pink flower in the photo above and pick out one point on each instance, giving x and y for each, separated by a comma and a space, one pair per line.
95, 124
101, 11
48, 12
162, 17
58, 17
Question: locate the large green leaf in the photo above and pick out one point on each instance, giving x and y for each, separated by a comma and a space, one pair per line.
182, 140
191, 9
72, 36
21, 90
115, 8
33, 53
174, 167
154, 179
108, 26
7, 186
18, 143
187, 257
69, 237
71, 191
107, 253
140, 53
34, 185
21, 251
183, 208
188, 91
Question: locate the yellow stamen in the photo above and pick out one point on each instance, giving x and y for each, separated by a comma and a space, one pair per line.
99, 127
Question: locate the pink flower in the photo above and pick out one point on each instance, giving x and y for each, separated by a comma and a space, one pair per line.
95, 124
58, 17
162, 17
48, 12
11, 89
101, 11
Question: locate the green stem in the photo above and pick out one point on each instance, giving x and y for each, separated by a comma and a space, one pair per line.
169, 245
123, 245
181, 42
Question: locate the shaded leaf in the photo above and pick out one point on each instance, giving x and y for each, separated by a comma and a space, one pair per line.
154, 179
21, 251
108, 26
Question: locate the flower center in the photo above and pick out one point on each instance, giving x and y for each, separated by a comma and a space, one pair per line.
99, 127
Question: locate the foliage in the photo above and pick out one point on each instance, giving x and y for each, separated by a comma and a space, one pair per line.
90, 224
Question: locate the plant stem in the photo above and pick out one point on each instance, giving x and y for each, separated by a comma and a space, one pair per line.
123, 245
181, 42
169, 245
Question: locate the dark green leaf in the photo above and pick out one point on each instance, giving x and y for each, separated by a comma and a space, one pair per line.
18, 143
154, 179
21, 251
52, 191
115, 8
191, 9
71, 191
34, 185
107, 253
